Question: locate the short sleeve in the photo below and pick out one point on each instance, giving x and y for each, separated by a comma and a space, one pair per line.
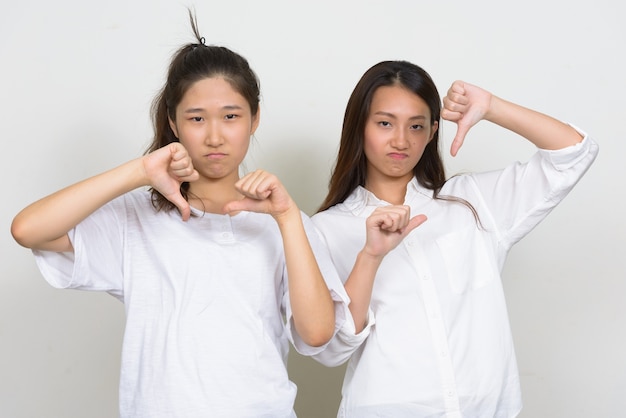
97, 261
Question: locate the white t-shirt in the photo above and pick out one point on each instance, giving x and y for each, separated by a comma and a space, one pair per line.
206, 302
439, 343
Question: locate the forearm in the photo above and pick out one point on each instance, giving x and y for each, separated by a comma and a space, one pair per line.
311, 303
359, 287
542, 130
44, 224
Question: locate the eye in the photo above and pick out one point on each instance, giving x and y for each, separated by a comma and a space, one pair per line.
417, 127
230, 116
384, 123
196, 118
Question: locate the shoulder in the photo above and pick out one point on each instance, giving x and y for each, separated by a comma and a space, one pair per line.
135, 204
138, 197
339, 222
462, 182
331, 214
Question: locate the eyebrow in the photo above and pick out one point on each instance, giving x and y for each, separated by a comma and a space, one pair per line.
199, 109
391, 115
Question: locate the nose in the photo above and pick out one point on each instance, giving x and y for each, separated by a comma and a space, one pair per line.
399, 140
213, 135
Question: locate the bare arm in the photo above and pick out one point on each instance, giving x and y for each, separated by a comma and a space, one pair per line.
467, 105
312, 306
386, 228
44, 224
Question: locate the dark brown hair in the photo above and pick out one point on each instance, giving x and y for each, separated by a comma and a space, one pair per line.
351, 166
191, 63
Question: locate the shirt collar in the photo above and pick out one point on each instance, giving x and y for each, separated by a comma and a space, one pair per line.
361, 198
414, 188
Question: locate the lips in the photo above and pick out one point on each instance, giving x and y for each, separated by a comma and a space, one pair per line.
397, 156
215, 156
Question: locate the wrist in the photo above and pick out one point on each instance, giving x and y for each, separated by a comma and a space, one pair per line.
287, 216
369, 258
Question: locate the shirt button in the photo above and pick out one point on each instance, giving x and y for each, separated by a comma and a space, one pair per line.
226, 235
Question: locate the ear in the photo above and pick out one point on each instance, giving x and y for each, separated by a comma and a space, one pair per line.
173, 126
255, 121
433, 129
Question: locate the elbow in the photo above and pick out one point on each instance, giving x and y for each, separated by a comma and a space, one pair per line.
28, 236
20, 233
319, 336
318, 340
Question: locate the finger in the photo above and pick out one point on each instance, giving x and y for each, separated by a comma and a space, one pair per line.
177, 152
245, 204
185, 174
192, 177
414, 223
391, 222
180, 161
254, 185
397, 216
459, 138
263, 186
450, 115
245, 182
386, 222
457, 87
181, 165
455, 101
181, 204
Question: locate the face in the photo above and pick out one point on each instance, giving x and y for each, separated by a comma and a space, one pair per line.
214, 123
396, 132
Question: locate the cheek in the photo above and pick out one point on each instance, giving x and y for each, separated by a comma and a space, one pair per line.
369, 149
244, 145
371, 145
240, 141
189, 138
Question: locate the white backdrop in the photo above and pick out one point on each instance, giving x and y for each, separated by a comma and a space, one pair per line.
76, 82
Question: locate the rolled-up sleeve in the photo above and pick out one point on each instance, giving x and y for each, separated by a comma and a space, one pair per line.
345, 342
514, 200
335, 287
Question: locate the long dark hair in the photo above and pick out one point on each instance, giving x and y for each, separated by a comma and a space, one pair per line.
191, 63
351, 166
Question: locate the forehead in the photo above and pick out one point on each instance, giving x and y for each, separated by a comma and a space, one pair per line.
398, 100
213, 91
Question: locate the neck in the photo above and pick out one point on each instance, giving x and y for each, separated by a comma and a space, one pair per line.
211, 196
390, 190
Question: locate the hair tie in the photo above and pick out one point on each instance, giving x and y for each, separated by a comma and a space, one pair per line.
202, 41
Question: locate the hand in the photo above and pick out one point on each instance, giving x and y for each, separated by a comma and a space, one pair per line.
386, 228
466, 105
166, 169
263, 193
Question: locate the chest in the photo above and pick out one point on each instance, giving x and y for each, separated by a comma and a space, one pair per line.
207, 261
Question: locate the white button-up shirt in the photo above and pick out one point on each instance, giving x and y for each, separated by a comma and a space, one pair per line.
208, 313
438, 343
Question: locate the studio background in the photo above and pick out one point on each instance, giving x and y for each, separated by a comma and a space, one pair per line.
76, 82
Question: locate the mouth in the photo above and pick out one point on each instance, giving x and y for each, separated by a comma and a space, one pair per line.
215, 156
397, 156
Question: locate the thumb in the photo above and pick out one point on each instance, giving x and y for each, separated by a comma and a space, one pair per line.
182, 205
247, 204
457, 142
415, 221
